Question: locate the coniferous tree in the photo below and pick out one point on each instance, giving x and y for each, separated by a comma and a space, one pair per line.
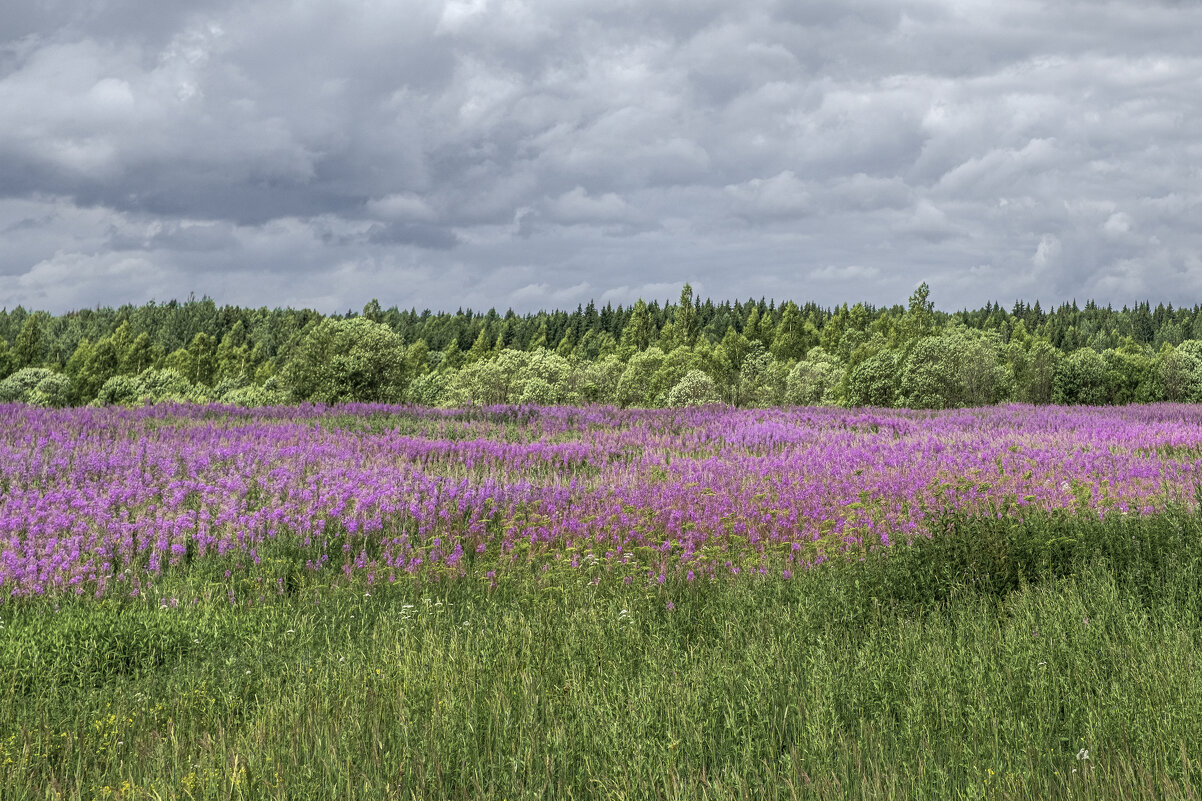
27, 352
6, 360
639, 331
685, 322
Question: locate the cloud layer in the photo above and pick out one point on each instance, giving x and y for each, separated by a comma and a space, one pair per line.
538, 153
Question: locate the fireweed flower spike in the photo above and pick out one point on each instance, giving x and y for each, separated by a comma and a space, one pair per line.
104, 499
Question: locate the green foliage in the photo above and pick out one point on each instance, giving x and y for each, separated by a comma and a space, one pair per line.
919, 319
140, 355
672, 370
488, 381
342, 361
7, 363
599, 380
28, 349
1179, 371
694, 389
639, 332
538, 392
873, 382
761, 380
120, 390
815, 381
997, 355
685, 321
252, 396
1047, 658
511, 376
480, 349
167, 385
548, 376
794, 336
1130, 375
427, 390
37, 386
1033, 365
636, 387
957, 368
92, 365
1081, 378
234, 356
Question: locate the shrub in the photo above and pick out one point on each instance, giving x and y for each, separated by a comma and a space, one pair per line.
695, 389
37, 386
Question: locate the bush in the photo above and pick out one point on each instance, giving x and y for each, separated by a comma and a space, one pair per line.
166, 385
251, 397
537, 392
874, 381
635, 388
599, 380
1081, 379
345, 361
815, 380
695, 389
36, 386
427, 390
120, 390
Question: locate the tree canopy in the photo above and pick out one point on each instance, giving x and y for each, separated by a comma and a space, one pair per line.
651, 353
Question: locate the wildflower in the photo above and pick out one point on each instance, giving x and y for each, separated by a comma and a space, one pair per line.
669, 606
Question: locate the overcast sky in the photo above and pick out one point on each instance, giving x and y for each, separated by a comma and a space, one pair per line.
538, 153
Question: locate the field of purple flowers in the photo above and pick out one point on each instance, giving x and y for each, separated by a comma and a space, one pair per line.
102, 500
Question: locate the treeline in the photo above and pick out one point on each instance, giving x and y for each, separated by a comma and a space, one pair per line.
745, 353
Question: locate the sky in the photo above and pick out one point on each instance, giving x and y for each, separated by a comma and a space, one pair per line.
536, 154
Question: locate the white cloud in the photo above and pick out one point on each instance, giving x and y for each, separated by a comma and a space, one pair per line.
781, 196
1048, 251
405, 206
1117, 225
848, 272
532, 149
577, 206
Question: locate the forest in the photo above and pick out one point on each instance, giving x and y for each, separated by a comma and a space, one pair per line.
691, 352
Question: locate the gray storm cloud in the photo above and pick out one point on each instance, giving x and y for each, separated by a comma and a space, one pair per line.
532, 153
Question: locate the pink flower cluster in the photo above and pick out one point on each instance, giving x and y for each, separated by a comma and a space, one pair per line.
93, 500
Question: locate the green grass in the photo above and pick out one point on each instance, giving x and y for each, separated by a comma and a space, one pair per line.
978, 664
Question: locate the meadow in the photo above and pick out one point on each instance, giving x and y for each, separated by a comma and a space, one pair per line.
521, 602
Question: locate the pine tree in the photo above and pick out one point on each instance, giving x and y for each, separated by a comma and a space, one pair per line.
540, 338
686, 318
639, 331
791, 341
480, 349
202, 359
140, 355
6, 359
28, 349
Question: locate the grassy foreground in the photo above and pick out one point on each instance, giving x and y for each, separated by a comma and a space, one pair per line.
1057, 658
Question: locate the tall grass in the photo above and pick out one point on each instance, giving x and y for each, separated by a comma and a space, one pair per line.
1056, 657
